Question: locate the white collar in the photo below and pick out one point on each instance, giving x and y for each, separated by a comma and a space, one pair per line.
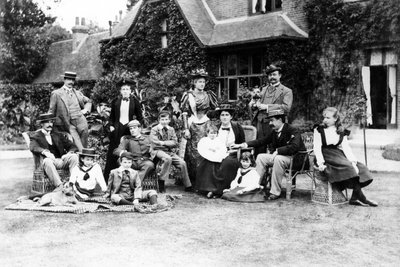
45, 132
280, 129
276, 84
160, 127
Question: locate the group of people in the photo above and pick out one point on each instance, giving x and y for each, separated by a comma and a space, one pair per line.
211, 165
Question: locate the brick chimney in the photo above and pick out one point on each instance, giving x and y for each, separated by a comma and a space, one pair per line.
79, 33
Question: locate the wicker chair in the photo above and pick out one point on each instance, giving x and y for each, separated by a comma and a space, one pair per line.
41, 182
301, 160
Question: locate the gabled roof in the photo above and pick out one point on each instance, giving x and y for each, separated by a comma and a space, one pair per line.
85, 61
210, 32
122, 28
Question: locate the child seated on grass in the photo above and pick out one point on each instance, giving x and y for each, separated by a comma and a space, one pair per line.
124, 185
245, 187
87, 177
163, 143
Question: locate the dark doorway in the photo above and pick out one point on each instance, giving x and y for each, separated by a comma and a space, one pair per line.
379, 93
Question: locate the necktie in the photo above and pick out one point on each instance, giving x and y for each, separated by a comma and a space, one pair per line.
125, 99
226, 129
69, 91
126, 174
165, 133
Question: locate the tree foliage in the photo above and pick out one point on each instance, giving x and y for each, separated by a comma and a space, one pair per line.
26, 34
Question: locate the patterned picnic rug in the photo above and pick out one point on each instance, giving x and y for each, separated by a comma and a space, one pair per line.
98, 204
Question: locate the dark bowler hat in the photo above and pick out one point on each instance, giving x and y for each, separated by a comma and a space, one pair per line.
225, 107
70, 75
125, 81
198, 73
127, 155
46, 117
275, 112
90, 152
271, 68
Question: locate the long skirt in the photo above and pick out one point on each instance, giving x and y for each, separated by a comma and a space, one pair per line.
256, 195
339, 168
192, 156
115, 138
206, 176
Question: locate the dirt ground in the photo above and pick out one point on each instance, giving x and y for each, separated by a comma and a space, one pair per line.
202, 232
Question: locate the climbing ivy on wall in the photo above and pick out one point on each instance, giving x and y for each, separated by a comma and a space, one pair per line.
338, 35
141, 50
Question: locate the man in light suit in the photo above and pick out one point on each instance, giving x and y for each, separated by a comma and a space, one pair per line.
273, 96
56, 149
70, 107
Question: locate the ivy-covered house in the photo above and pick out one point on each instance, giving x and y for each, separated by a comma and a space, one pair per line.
234, 40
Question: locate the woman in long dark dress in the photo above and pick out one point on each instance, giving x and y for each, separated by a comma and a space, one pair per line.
229, 133
336, 160
212, 151
123, 109
197, 102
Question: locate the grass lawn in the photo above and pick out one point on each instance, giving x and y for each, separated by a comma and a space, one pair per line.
202, 232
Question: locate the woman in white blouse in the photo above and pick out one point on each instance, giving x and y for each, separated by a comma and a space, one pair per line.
336, 160
87, 177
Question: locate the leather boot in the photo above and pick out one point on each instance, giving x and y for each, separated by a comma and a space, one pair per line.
161, 186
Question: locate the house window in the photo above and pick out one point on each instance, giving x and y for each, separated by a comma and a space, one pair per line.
263, 6
239, 72
164, 34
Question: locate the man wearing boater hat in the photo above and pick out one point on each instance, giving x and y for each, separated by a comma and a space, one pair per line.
56, 149
285, 141
70, 107
273, 96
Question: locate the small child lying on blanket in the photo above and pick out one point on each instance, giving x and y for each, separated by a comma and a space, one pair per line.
124, 185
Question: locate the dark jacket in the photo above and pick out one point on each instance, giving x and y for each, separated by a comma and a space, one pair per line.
61, 143
288, 144
139, 147
135, 111
114, 183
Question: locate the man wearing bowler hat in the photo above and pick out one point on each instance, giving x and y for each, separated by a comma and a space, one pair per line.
273, 96
285, 141
70, 107
55, 148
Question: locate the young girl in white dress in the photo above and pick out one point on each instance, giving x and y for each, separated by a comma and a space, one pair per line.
245, 187
87, 177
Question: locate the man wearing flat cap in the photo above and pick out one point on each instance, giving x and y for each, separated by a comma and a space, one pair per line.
285, 141
70, 107
55, 148
139, 146
273, 96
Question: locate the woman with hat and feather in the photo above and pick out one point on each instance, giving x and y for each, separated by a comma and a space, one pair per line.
87, 177
197, 102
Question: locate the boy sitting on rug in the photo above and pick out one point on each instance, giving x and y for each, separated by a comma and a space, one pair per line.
163, 142
124, 185
245, 187
87, 177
